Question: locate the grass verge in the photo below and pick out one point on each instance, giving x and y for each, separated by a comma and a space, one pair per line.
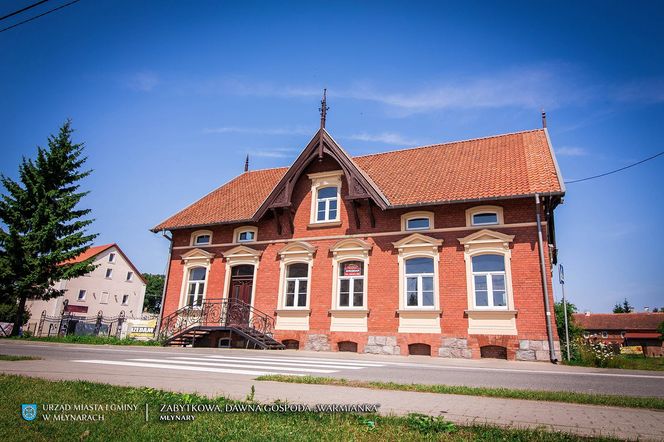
95, 340
18, 358
507, 393
305, 426
626, 362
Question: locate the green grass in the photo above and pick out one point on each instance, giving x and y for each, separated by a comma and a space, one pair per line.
95, 340
508, 393
307, 426
18, 358
627, 362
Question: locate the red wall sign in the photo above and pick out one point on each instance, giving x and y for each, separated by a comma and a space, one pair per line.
352, 269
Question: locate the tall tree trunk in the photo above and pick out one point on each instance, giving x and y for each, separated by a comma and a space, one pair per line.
18, 322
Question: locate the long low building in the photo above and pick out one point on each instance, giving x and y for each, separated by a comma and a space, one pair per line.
627, 329
445, 250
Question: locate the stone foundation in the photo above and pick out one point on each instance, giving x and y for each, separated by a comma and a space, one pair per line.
531, 350
455, 348
382, 345
316, 342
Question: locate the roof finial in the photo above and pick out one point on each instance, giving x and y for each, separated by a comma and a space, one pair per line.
246, 164
543, 119
323, 109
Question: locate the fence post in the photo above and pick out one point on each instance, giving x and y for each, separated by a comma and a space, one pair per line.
98, 323
41, 323
121, 318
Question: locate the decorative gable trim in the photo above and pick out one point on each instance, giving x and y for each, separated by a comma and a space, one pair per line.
417, 240
359, 184
351, 245
197, 255
297, 248
486, 237
242, 252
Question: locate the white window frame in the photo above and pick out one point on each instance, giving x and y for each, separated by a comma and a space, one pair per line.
130, 276
85, 294
420, 296
351, 284
406, 217
111, 257
477, 210
488, 276
198, 233
122, 301
417, 245
297, 281
197, 283
244, 229
320, 181
109, 274
104, 298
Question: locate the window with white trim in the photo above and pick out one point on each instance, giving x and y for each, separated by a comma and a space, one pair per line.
327, 204
111, 257
196, 286
419, 276
414, 221
81, 295
246, 236
104, 298
351, 284
297, 280
202, 240
125, 299
485, 219
109, 273
489, 281
417, 224
130, 276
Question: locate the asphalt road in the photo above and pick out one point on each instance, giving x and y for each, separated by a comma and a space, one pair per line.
216, 371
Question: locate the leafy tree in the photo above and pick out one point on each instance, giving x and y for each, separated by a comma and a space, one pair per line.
625, 307
43, 227
661, 330
153, 292
575, 331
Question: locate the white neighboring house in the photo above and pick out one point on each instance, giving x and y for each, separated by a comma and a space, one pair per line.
115, 285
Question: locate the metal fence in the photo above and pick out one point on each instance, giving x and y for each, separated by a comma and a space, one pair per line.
70, 323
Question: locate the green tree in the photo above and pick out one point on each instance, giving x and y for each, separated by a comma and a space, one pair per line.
575, 331
661, 330
43, 227
153, 292
625, 307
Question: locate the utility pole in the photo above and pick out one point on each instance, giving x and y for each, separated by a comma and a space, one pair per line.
561, 279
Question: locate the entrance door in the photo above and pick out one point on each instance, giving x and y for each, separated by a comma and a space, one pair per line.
239, 298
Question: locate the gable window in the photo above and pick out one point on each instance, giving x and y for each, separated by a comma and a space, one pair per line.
196, 286
130, 276
109, 273
413, 221
125, 299
81, 295
104, 298
351, 284
245, 236
201, 238
111, 257
485, 218
326, 204
489, 281
419, 277
297, 279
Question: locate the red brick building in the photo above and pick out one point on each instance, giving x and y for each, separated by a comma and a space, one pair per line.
430, 250
626, 329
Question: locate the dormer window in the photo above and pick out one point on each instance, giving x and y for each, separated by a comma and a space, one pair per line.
414, 221
245, 234
326, 204
484, 216
201, 238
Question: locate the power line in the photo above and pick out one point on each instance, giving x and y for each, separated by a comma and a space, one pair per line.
40, 15
614, 171
24, 9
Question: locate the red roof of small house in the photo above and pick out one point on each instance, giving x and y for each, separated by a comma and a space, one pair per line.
619, 321
93, 251
642, 335
501, 166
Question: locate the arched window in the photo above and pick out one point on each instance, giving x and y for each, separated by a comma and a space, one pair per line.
201, 238
196, 286
351, 284
297, 279
485, 218
326, 204
419, 282
489, 281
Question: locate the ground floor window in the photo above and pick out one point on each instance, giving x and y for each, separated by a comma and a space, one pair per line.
489, 281
196, 286
419, 282
297, 280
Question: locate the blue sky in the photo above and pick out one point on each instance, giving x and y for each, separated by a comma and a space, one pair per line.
170, 96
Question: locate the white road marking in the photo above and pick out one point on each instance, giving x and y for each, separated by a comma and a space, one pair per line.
181, 367
311, 361
247, 361
234, 365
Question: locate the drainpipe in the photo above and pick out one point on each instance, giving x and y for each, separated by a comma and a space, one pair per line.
168, 271
545, 287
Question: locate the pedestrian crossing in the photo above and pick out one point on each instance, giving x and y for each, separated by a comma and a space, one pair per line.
243, 365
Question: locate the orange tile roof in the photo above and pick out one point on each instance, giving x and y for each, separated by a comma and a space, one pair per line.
89, 253
619, 321
507, 165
